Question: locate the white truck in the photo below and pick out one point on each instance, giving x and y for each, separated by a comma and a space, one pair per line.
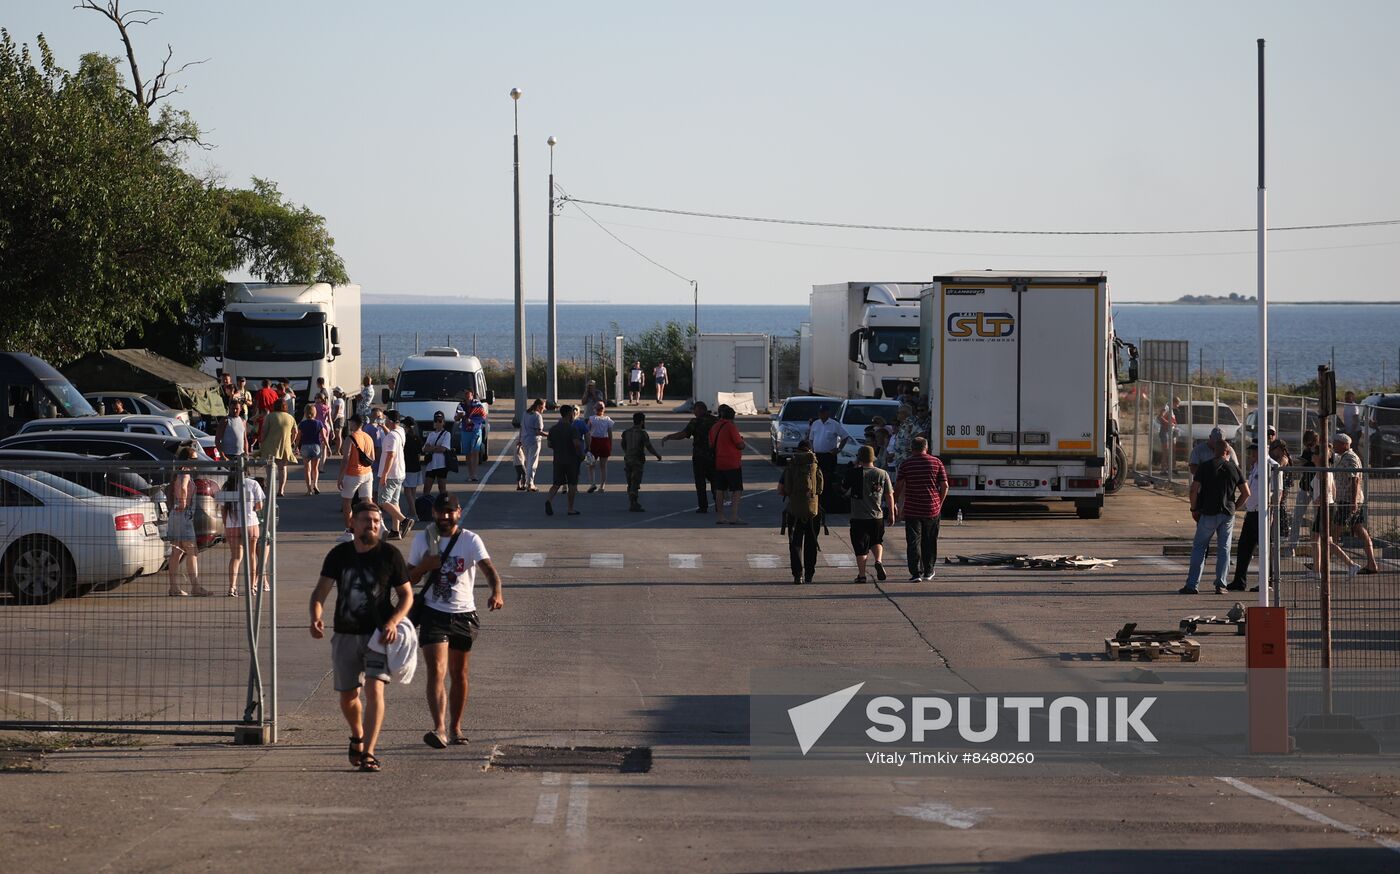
1021, 370
864, 339
295, 332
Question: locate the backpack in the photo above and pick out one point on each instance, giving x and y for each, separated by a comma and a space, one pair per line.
364, 458
802, 491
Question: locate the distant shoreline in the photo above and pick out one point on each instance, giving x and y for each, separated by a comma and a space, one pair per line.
1255, 303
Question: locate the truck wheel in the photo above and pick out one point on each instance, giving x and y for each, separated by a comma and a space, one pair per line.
1118, 471
1088, 511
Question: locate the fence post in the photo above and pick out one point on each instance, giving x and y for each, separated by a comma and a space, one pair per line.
271, 570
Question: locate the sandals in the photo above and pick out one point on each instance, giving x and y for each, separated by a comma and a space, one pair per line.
434, 740
369, 764
458, 740
355, 755
861, 579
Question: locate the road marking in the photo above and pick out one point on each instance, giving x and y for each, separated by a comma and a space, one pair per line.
481, 485
1309, 813
577, 821
763, 562
605, 559
651, 519
839, 559
546, 809
47, 702
552, 779
944, 814
1159, 561
527, 559
685, 560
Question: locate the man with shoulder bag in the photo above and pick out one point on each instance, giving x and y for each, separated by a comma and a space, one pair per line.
444, 558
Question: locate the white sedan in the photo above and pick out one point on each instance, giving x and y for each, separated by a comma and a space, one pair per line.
56, 536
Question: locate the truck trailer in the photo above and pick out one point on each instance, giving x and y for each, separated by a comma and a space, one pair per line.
295, 332
1021, 370
864, 339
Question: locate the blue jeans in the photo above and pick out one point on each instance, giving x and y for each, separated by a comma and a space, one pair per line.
1221, 526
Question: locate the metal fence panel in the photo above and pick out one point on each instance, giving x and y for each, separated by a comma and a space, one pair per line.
125, 598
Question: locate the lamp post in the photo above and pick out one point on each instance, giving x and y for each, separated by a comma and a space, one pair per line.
521, 381
551, 392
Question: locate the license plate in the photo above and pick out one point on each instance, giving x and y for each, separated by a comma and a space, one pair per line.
1017, 483
150, 530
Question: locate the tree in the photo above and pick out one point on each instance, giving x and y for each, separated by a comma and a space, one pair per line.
101, 230
277, 241
672, 343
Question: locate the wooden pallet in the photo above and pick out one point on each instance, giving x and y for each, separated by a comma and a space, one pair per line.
1186, 649
1200, 624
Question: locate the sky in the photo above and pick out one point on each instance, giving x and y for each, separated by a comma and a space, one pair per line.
395, 123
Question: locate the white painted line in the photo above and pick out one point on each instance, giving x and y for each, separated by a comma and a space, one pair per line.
1308, 813
47, 702
545, 810
944, 814
577, 822
763, 562
481, 485
552, 778
686, 560
651, 519
605, 559
1159, 561
527, 559
839, 559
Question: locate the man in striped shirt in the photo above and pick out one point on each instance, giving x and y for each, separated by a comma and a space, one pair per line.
919, 490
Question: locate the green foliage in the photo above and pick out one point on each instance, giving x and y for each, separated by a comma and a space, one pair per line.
278, 242
673, 343
100, 228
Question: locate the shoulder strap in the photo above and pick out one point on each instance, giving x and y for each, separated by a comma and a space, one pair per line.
428, 578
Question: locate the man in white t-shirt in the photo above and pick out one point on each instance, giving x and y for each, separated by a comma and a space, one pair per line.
450, 556
392, 471
635, 378
827, 436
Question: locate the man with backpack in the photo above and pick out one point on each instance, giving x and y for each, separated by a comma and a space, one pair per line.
872, 507
801, 487
356, 479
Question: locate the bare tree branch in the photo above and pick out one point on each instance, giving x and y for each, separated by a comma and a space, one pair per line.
146, 94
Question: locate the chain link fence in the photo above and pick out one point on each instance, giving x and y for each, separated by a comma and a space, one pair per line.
135, 597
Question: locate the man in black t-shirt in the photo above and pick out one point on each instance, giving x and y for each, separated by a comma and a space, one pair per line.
1215, 488
568, 455
702, 456
363, 572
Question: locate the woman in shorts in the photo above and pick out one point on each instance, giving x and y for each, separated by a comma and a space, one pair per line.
600, 428
312, 442
181, 529
237, 519
659, 376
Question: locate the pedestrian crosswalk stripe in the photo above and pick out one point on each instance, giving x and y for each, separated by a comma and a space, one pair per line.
762, 562
605, 559
840, 559
685, 560
527, 559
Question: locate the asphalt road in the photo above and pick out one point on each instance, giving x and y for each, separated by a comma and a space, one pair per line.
624, 629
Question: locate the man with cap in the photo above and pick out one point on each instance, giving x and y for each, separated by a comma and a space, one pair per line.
1203, 452
337, 418
437, 449
449, 556
1215, 487
1350, 514
392, 471
1249, 534
827, 437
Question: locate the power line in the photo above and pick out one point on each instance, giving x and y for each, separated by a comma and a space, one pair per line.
864, 227
567, 199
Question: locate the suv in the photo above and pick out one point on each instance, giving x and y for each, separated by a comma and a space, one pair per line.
789, 425
1195, 420
1378, 419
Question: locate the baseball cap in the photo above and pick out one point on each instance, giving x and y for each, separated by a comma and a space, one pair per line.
1217, 436
392, 415
438, 416
446, 501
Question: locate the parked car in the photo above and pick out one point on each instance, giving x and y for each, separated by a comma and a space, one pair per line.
131, 424
789, 425
133, 404
1378, 418
1194, 422
435, 382
56, 535
854, 415
92, 472
1287, 420
142, 449
31, 389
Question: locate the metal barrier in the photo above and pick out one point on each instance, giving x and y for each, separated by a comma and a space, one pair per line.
1159, 453
129, 597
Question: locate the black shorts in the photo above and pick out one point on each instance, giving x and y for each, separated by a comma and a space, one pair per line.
729, 480
1347, 516
430, 475
457, 630
866, 533
634, 386
565, 473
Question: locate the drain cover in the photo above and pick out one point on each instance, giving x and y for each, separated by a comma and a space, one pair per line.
572, 760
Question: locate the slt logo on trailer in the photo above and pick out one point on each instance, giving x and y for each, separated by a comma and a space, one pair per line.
981, 326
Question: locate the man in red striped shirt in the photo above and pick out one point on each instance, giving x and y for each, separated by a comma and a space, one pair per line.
919, 490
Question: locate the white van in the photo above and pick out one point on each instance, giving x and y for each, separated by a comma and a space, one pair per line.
435, 382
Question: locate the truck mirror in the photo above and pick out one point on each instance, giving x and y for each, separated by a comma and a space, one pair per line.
854, 351
335, 336
490, 397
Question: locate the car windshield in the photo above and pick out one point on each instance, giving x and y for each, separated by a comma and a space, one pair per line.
248, 339
434, 385
861, 414
1201, 414
189, 432
153, 403
59, 484
69, 401
894, 345
1388, 417
805, 411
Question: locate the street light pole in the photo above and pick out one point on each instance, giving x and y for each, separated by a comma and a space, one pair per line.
521, 380
551, 392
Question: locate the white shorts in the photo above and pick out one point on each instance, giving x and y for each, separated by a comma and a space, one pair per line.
413, 480
361, 486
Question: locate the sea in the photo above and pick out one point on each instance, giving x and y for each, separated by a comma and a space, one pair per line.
1362, 341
